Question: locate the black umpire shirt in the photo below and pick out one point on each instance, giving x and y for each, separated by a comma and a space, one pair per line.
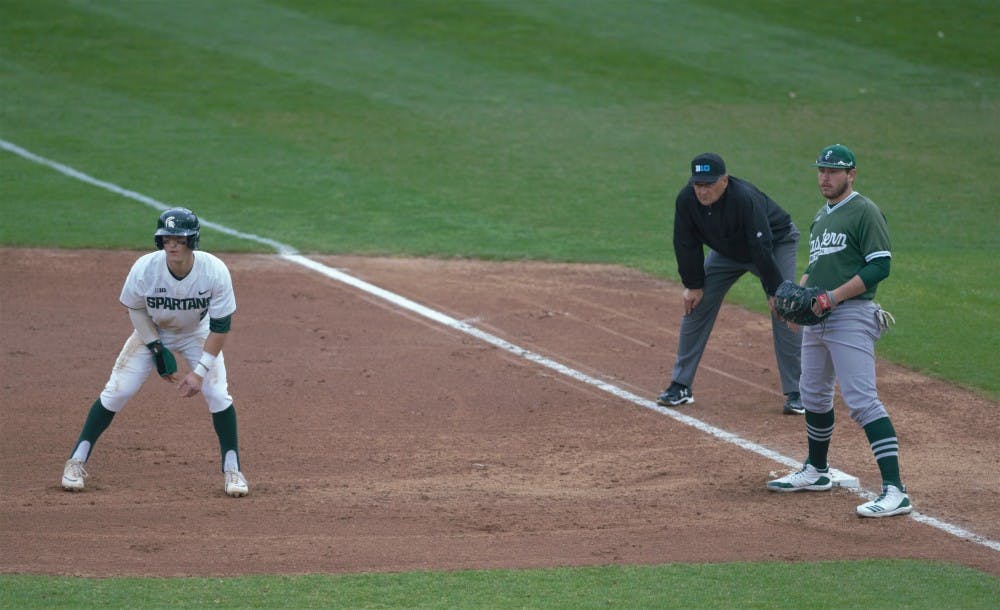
742, 225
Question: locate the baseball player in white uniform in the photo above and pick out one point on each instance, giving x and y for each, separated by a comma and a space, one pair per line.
180, 300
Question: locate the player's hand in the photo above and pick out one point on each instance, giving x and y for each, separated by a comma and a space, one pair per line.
824, 303
191, 385
692, 296
163, 358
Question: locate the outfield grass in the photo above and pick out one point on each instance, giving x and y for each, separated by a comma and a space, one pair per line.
516, 129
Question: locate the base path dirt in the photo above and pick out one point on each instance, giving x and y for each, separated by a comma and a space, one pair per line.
375, 439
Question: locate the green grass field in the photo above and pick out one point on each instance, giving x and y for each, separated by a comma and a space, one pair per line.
519, 129
858, 584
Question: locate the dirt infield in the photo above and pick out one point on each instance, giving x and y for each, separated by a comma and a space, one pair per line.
376, 440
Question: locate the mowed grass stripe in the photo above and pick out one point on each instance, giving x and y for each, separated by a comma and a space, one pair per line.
554, 130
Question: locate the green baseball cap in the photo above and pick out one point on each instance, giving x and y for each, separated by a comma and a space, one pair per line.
837, 156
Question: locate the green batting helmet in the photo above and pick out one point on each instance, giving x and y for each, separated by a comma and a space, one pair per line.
178, 221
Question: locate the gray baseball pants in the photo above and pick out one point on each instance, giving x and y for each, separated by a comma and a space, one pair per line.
842, 349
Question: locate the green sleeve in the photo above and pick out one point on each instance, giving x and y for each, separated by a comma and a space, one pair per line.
875, 271
220, 325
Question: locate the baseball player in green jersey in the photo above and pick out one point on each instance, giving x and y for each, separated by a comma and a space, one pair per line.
849, 254
179, 300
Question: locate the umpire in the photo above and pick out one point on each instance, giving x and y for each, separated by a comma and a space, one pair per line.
745, 230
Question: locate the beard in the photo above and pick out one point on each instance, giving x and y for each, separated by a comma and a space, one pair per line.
838, 193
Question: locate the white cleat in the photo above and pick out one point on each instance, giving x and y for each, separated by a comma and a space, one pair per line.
807, 479
236, 484
73, 475
893, 501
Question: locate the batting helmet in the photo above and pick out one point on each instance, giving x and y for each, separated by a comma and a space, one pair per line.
178, 221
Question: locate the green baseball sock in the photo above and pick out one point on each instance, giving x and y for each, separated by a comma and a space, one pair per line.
882, 438
225, 429
819, 431
98, 420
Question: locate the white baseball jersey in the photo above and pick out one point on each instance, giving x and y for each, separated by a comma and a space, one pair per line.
181, 310
180, 307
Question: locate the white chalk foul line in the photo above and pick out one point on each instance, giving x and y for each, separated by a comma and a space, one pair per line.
503, 344
288, 253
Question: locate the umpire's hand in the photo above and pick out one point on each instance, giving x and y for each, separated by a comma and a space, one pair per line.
692, 296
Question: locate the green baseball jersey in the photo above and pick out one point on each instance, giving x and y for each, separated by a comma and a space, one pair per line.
843, 239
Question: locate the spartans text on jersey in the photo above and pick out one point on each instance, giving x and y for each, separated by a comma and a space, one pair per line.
177, 304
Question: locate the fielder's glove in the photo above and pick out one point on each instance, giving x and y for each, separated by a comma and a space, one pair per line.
166, 364
795, 303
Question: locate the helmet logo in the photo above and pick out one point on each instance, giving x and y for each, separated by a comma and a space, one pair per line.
827, 155
170, 222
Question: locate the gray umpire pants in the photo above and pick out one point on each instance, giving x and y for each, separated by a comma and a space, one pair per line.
720, 275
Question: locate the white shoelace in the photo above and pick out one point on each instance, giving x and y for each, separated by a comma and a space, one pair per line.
808, 474
77, 471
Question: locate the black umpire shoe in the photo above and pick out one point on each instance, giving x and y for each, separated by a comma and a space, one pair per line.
676, 394
793, 404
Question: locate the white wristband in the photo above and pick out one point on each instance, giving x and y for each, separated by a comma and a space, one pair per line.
204, 364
